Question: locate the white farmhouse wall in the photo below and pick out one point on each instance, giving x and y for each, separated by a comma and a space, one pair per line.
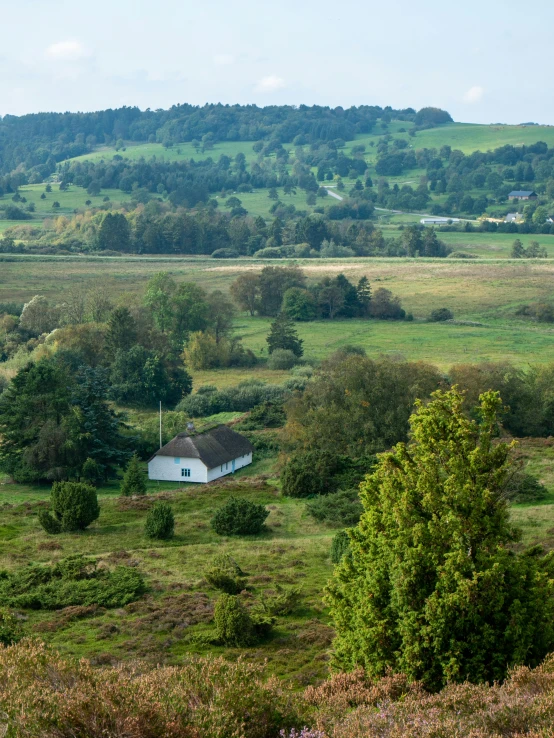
221, 471
165, 469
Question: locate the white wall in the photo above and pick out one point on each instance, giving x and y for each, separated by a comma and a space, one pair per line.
165, 469
228, 468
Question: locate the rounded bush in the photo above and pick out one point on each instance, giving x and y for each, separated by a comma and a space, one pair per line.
233, 624
437, 316
225, 254
160, 522
239, 517
281, 359
309, 473
225, 574
74, 506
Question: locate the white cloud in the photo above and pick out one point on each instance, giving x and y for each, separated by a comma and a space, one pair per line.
270, 84
474, 94
223, 60
66, 51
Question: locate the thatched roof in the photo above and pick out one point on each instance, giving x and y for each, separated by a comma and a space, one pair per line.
213, 447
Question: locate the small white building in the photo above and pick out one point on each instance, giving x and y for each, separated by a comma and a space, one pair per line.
201, 456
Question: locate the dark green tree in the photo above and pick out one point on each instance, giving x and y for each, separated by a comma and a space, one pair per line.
160, 522
114, 233
283, 335
518, 251
122, 331
299, 304
73, 507
433, 588
239, 517
339, 546
363, 291
134, 482
233, 624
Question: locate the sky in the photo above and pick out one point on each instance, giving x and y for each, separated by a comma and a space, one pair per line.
486, 61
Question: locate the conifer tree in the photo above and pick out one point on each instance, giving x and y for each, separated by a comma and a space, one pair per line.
432, 587
283, 335
134, 482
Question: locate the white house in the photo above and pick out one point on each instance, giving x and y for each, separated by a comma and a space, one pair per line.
201, 457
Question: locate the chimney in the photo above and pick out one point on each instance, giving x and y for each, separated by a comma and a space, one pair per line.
190, 427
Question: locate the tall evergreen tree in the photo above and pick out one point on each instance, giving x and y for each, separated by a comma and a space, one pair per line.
363, 291
283, 335
432, 588
122, 332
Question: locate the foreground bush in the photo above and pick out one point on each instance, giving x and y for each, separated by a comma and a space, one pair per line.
46, 696
72, 581
239, 517
432, 588
74, 506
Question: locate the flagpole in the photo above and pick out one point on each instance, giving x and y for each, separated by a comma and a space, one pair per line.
160, 423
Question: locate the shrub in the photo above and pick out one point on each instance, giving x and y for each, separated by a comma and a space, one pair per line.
212, 698
522, 487
225, 254
281, 602
160, 522
281, 359
134, 482
242, 398
266, 415
437, 316
233, 624
10, 628
239, 517
308, 473
339, 546
271, 252
72, 581
74, 506
225, 574
343, 508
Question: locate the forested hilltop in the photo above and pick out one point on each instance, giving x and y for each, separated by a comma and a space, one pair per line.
40, 140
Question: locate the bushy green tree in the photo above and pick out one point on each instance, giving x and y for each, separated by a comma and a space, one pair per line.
309, 473
73, 506
160, 522
134, 481
432, 588
299, 304
239, 517
233, 624
283, 335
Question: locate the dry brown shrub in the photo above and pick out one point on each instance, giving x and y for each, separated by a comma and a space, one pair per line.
68, 615
46, 696
50, 546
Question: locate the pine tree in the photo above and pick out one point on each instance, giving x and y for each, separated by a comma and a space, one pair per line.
122, 333
283, 335
133, 482
364, 295
432, 588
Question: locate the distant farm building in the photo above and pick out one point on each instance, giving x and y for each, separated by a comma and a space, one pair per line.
439, 221
513, 217
522, 195
201, 457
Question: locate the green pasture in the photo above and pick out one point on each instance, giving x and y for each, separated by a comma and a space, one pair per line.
74, 198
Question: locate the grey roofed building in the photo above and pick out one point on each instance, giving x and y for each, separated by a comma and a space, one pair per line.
512, 217
522, 195
213, 447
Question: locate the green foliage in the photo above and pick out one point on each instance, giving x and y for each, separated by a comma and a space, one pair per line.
242, 398
339, 546
233, 624
440, 314
309, 473
225, 574
277, 603
283, 335
299, 304
341, 508
72, 581
523, 487
160, 522
74, 506
239, 517
432, 589
281, 359
265, 415
134, 480
10, 628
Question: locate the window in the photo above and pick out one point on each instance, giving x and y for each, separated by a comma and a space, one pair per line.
185, 472
177, 460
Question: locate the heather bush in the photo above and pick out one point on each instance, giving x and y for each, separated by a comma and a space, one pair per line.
160, 522
226, 575
72, 581
74, 506
47, 696
239, 517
